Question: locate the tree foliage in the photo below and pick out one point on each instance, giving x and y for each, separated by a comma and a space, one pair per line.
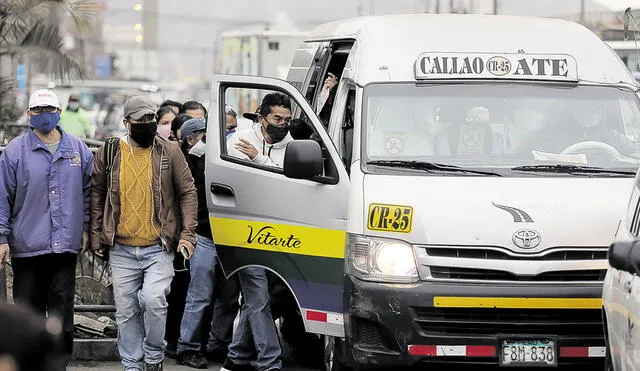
30, 29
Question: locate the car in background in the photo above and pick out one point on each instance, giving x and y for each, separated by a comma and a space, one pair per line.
621, 292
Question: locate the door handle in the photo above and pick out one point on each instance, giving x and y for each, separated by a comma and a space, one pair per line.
221, 190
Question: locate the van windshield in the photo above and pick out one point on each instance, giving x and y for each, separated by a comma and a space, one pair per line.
502, 126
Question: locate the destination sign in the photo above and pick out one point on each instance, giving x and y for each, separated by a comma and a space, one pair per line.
557, 67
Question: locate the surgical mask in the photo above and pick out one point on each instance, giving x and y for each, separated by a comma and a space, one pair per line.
143, 134
45, 122
74, 105
277, 133
164, 131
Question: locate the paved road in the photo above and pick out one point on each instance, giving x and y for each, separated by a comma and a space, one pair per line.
169, 365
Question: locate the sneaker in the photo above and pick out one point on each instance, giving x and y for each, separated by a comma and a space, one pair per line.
192, 359
153, 366
228, 365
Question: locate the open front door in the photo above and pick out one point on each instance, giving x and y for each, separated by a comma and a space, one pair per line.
259, 217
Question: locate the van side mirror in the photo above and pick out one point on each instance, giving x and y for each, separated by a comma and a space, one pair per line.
634, 260
303, 159
620, 253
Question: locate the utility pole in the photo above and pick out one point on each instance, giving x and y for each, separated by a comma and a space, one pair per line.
438, 6
450, 6
582, 11
495, 6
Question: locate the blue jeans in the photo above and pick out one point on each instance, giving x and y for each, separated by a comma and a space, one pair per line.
202, 268
255, 326
150, 270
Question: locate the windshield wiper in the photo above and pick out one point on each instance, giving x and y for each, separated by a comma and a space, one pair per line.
570, 169
429, 166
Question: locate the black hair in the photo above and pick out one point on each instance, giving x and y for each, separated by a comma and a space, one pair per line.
172, 103
164, 110
178, 121
191, 105
274, 100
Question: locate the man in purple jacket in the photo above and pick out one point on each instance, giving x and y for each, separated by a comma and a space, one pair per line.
45, 180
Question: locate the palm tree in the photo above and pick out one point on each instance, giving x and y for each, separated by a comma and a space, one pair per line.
27, 31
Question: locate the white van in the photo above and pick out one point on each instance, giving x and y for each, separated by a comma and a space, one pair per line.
457, 205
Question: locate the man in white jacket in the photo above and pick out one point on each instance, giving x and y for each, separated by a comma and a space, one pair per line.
266, 142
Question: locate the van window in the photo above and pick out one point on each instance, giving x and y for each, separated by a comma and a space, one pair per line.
253, 144
502, 126
322, 101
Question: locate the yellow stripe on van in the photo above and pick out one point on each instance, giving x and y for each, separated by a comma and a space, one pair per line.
285, 238
517, 303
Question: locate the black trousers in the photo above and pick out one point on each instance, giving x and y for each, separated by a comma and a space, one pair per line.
176, 300
47, 283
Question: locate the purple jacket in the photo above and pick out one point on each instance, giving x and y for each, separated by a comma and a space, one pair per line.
44, 198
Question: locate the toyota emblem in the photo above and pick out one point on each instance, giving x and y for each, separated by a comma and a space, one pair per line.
526, 239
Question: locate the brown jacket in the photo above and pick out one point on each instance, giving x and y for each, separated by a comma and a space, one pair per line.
175, 202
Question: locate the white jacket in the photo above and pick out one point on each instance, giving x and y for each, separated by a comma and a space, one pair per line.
268, 154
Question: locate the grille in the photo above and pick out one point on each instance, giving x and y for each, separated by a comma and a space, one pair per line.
454, 273
369, 335
494, 321
452, 252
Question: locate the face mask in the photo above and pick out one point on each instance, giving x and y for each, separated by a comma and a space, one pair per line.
164, 131
73, 106
143, 134
277, 133
45, 122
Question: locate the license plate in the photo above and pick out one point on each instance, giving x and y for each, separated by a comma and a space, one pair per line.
525, 352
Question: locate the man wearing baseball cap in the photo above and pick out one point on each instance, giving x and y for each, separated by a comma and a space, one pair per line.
45, 180
144, 208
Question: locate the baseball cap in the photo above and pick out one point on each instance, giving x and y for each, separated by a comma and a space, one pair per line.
44, 97
138, 106
191, 126
253, 116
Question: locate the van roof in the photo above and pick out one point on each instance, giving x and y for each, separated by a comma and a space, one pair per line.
388, 46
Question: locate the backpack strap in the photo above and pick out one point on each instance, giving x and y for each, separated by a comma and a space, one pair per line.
110, 150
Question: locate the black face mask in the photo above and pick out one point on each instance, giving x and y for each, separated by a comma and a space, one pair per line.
143, 134
277, 132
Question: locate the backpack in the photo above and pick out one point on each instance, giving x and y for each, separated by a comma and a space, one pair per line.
110, 150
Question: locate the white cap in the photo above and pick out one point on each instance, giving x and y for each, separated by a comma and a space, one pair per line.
44, 97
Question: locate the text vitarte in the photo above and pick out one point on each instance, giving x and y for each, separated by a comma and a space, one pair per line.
267, 236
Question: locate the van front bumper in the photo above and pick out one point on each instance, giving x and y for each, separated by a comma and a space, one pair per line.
405, 324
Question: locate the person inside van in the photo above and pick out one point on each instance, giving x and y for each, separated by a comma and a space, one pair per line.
586, 122
324, 105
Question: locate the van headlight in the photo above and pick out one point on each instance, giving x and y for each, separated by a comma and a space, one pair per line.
380, 260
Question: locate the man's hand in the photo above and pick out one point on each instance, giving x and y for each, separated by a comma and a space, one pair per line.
4, 254
331, 81
188, 246
247, 148
85, 242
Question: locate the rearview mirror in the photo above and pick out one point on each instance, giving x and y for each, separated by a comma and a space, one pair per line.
619, 254
302, 159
